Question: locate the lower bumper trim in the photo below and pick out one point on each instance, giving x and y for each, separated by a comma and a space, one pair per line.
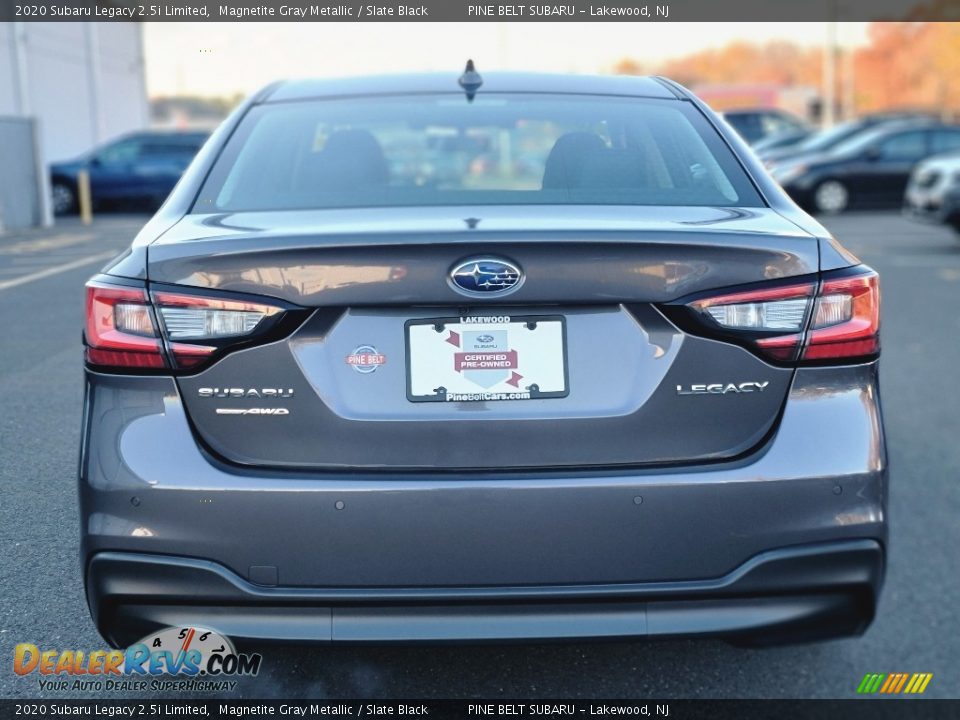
800, 593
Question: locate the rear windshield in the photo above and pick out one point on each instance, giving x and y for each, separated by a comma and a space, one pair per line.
498, 149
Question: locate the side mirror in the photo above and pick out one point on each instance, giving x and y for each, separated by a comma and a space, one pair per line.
95, 162
872, 154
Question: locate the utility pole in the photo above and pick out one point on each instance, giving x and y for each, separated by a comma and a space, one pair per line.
94, 79
849, 84
21, 77
503, 45
827, 116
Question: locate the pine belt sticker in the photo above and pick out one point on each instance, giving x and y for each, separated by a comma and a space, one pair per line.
365, 359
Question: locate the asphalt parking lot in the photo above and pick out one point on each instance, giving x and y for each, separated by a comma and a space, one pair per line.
41, 279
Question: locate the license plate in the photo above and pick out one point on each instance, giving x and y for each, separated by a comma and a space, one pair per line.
486, 358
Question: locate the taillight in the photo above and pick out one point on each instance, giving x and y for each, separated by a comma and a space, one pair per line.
196, 326
772, 319
127, 327
846, 320
120, 331
837, 318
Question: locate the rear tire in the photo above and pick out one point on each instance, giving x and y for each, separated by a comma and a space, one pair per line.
831, 197
63, 197
954, 222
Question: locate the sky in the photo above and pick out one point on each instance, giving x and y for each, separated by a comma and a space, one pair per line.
223, 59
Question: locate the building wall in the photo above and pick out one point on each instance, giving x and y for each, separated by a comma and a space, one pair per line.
83, 83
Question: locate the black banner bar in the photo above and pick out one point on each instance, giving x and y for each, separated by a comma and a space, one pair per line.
875, 709
475, 10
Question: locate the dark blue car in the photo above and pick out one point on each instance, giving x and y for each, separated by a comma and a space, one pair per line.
871, 169
139, 169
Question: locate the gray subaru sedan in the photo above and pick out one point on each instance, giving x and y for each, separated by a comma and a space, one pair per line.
506, 358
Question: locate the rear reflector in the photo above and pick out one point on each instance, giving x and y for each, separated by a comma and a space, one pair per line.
120, 332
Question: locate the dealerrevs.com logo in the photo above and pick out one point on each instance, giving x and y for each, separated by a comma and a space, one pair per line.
176, 658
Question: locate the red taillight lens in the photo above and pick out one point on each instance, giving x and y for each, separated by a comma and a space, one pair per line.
835, 319
129, 329
846, 320
120, 332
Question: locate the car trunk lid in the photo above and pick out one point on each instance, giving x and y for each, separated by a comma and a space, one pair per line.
623, 386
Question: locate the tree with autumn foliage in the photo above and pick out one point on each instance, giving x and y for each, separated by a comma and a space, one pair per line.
904, 65
912, 65
779, 62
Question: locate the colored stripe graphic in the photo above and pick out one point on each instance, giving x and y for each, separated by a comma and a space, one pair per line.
870, 683
891, 681
894, 683
918, 683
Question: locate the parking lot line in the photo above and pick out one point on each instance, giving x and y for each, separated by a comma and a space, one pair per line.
56, 269
43, 244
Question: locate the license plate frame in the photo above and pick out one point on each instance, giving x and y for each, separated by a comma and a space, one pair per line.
553, 328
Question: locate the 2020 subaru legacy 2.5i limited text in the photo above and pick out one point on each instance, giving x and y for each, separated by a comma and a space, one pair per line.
523, 357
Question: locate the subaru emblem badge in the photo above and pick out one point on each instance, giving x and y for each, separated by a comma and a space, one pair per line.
485, 276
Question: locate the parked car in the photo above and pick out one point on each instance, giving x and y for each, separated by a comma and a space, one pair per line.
869, 170
328, 399
783, 141
826, 140
933, 193
136, 169
754, 125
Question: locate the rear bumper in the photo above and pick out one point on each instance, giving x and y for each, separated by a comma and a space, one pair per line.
348, 556
791, 594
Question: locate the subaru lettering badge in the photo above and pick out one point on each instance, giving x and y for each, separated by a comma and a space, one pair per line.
485, 276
